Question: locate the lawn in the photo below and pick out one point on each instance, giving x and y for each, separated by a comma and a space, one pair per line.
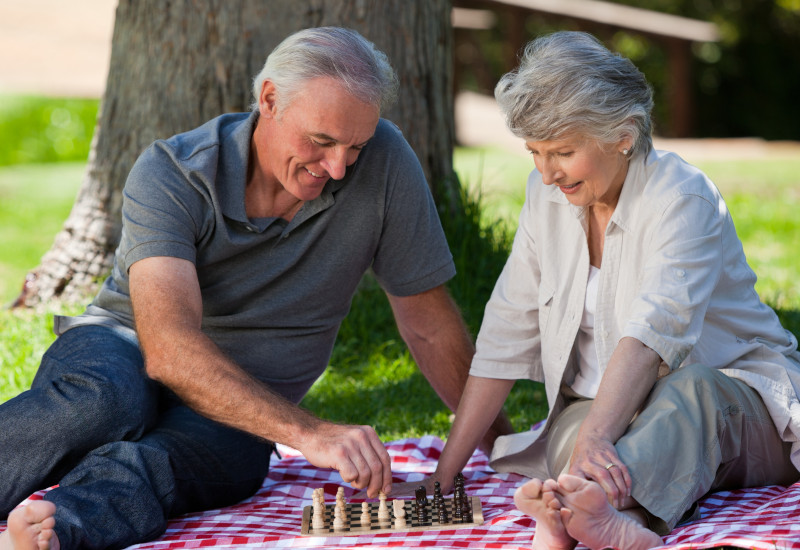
372, 378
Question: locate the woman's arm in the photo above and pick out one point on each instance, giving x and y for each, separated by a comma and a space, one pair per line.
480, 404
628, 379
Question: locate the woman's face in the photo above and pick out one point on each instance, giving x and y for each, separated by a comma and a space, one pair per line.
588, 173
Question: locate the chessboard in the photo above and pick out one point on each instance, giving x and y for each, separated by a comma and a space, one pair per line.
353, 513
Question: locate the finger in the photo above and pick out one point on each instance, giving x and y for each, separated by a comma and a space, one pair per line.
621, 478
604, 476
379, 465
371, 460
626, 479
385, 470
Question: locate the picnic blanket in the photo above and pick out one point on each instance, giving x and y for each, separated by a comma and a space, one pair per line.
760, 518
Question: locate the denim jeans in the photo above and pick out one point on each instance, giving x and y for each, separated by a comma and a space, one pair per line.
125, 452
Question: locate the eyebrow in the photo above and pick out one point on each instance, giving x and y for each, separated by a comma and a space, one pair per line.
326, 137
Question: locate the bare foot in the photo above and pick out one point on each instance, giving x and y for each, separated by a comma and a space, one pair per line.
538, 500
589, 518
31, 528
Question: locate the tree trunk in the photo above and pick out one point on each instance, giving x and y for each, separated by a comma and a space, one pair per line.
175, 65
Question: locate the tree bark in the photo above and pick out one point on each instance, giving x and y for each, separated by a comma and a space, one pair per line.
176, 64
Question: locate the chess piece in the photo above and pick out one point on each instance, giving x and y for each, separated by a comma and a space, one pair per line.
438, 499
318, 519
443, 517
338, 524
421, 502
383, 510
340, 511
366, 519
458, 507
399, 514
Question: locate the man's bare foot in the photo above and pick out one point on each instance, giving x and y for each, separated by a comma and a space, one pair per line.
538, 499
31, 528
589, 518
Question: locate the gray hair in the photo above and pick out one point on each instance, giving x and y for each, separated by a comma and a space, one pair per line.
568, 83
334, 52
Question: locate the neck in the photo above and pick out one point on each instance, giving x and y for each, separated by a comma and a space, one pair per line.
264, 195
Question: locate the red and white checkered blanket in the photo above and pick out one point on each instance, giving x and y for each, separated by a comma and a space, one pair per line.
761, 518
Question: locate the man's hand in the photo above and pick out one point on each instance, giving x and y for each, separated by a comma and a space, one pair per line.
168, 309
355, 451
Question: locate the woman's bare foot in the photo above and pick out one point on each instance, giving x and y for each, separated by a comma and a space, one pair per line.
589, 518
31, 528
538, 499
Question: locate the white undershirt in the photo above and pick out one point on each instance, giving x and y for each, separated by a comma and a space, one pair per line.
588, 378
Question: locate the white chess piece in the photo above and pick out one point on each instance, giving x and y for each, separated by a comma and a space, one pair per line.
338, 524
318, 519
399, 514
383, 510
366, 519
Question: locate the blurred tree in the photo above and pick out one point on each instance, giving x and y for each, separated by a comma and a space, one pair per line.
176, 65
747, 84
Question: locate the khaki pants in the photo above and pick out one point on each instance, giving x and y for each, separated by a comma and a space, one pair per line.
699, 431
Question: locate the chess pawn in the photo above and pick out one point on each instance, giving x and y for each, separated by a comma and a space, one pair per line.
318, 519
458, 508
366, 519
338, 524
383, 509
443, 517
339, 511
438, 498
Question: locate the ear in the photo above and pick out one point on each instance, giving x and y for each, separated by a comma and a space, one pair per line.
267, 100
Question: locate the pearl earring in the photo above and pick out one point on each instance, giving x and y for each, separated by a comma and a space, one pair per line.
625, 152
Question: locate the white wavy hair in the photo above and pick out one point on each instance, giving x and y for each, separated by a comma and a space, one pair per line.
333, 52
568, 83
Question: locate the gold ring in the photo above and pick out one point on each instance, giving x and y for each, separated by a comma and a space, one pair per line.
610, 465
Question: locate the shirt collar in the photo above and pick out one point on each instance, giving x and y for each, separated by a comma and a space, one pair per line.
232, 170
628, 197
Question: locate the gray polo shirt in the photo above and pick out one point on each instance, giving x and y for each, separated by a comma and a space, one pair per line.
274, 293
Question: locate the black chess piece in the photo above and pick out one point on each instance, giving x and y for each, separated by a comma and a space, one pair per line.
421, 502
443, 517
438, 499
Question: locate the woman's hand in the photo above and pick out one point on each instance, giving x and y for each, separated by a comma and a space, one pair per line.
628, 379
596, 459
407, 488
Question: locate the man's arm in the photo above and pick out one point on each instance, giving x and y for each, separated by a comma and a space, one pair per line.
168, 310
434, 331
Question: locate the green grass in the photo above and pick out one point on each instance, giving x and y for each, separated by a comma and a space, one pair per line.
36, 129
372, 379
34, 202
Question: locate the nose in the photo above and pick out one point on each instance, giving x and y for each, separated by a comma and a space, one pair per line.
550, 170
335, 162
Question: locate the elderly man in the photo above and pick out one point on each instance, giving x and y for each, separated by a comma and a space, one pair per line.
243, 243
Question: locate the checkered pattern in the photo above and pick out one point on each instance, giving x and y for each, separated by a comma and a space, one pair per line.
762, 518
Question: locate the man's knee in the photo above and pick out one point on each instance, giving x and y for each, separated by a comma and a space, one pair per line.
90, 375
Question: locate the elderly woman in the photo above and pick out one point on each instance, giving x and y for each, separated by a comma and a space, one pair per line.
628, 294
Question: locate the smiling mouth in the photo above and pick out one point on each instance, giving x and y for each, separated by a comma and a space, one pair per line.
573, 186
313, 174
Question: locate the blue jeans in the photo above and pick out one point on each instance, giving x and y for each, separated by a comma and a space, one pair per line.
125, 452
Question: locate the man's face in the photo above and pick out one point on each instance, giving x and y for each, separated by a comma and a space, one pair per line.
313, 138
